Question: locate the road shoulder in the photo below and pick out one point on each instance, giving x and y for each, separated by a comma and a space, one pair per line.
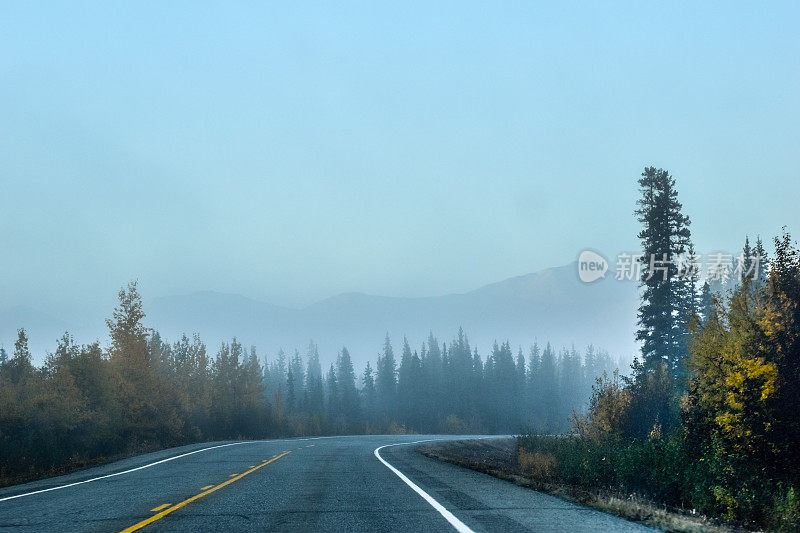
498, 458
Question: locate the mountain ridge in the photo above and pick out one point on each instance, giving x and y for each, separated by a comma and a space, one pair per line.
547, 305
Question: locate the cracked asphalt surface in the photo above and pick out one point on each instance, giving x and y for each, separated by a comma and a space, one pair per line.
323, 484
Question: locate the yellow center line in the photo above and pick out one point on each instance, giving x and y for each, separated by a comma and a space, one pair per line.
206, 487
233, 475
177, 506
162, 506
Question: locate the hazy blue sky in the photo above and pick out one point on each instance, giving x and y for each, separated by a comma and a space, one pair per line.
292, 152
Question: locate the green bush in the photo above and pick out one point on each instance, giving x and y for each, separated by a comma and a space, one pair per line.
670, 471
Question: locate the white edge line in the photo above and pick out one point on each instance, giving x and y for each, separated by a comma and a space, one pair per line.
156, 463
123, 472
160, 462
460, 526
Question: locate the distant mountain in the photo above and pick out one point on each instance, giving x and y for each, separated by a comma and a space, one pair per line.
550, 305
218, 317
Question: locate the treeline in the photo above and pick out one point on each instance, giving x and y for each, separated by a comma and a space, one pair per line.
87, 403
439, 388
708, 419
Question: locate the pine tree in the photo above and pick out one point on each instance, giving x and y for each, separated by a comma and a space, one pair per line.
253, 410
279, 372
781, 326
405, 387
416, 405
291, 395
410, 388
458, 378
432, 369
368, 391
294, 380
314, 394
477, 389
571, 381
386, 380
332, 386
547, 392
501, 373
761, 273
348, 394
665, 236
532, 416
298, 375
745, 263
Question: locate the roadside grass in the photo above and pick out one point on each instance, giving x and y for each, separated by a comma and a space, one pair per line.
541, 470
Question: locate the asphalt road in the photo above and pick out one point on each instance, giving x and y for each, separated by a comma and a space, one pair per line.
320, 484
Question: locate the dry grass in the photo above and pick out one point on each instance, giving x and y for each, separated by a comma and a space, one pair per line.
537, 465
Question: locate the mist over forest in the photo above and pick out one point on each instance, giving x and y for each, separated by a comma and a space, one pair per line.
547, 306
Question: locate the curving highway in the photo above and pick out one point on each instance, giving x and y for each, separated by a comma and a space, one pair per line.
358, 483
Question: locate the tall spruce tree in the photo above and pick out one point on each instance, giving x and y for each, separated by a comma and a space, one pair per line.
665, 236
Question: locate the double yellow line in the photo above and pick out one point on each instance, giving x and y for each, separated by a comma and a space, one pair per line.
177, 506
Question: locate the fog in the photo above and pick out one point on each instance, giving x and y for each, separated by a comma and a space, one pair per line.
293, 155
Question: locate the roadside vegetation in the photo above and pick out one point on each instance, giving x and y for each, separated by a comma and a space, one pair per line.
506, 458
707, 421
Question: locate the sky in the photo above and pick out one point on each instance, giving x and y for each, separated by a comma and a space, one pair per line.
292, 151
